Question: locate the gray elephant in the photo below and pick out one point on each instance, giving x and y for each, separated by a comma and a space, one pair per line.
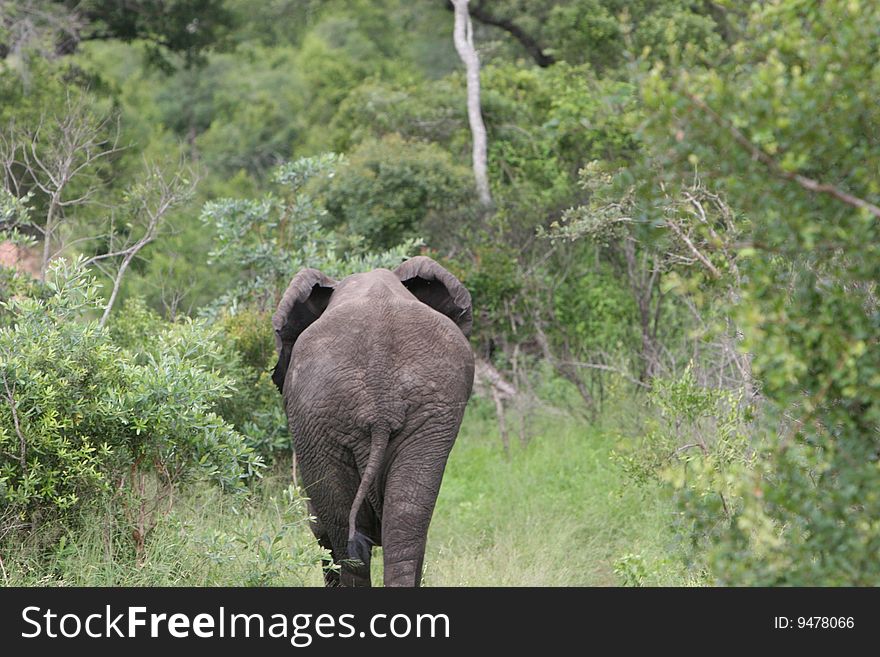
375, 371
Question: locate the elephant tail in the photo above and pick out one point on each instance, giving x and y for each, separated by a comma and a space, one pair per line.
358, 544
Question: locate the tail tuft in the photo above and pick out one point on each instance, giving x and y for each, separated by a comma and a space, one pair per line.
359, 547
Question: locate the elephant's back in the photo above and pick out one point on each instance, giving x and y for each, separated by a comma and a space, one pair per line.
381, 359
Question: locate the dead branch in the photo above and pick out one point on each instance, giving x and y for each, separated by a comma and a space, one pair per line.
693, 249
51, 155
159, 195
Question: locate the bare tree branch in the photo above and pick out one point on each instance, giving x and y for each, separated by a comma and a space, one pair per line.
693, 249
531, 45
156, 196
58, 151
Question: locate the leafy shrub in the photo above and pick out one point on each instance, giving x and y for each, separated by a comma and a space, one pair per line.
136, 327
780, 126
605, 32
269, 554
51, 457
84, 416
495, 282
698, 446
429, 112
267, 240
254, 407
631, 569
251, 333
596, 314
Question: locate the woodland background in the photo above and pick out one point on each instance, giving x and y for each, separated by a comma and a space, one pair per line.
674, 269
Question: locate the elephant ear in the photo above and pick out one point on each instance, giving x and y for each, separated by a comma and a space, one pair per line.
304, 301
436, 287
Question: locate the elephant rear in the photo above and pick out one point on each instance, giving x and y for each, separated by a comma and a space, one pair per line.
375, 371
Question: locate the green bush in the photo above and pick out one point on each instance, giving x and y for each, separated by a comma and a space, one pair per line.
697, 443
251, 333
787, 107
493, 277
597, 314
267, 240
254, 407
606, 33
423, 111
84, 416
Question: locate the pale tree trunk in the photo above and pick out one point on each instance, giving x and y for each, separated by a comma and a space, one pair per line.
463, 37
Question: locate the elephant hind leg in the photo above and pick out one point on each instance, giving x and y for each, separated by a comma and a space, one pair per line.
410, 493
330, 474
354, 568
353, 558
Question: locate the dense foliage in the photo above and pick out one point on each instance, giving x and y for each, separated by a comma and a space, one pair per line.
793, 118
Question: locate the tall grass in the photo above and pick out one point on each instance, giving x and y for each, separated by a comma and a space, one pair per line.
557, 513
210, 538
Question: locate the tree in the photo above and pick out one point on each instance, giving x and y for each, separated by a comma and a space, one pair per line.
34, 27
463, 36
147, 207
784, 129
390, 190
59, 156
485, 16
63, 158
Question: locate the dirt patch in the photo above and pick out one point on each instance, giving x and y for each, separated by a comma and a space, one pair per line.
23, 259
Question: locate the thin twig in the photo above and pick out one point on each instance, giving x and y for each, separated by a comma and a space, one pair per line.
22, 457
693, 249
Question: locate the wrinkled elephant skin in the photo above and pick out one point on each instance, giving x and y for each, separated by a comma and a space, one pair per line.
375, 371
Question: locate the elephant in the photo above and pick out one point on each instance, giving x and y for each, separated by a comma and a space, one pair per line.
375, 372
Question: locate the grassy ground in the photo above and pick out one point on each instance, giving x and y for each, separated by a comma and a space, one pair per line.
557, 513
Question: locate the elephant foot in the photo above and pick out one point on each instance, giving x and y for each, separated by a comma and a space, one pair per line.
360, 547
355, 575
